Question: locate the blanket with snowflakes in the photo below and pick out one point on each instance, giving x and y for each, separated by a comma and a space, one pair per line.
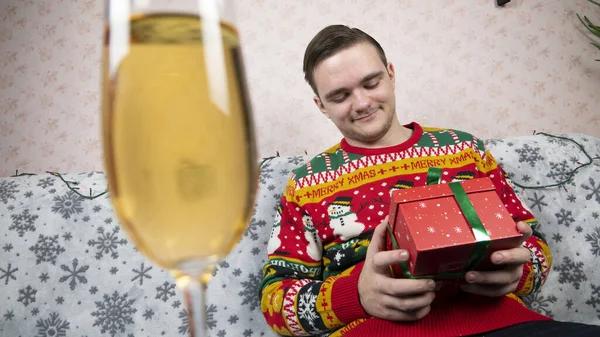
67, 269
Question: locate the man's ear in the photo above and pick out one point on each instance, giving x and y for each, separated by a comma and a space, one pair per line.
392, 73
320, 105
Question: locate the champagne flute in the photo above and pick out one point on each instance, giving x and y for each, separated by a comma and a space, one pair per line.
178, 137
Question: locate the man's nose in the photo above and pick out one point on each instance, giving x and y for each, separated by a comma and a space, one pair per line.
361, 101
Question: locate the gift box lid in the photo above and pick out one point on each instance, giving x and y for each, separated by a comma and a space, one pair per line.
431, 217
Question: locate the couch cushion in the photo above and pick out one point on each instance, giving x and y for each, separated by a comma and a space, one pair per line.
67, 269
569, 218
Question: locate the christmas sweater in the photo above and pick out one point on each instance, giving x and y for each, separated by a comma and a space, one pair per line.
325, 221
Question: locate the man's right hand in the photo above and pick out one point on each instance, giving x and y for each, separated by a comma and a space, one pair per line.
386, 297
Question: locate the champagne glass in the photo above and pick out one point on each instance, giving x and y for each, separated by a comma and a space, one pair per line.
178, 137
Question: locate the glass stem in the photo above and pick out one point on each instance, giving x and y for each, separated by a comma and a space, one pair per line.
193, 287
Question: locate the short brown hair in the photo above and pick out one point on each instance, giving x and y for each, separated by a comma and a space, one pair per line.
329, 41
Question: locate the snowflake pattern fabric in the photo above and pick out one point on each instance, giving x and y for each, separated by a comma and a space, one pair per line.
71, 291
568, 216
67, 269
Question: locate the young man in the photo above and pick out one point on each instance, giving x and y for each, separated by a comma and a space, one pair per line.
327, 271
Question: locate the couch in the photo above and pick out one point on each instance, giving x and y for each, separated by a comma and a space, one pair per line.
67, 269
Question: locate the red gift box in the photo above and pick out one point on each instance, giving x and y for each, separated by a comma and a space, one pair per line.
438, 225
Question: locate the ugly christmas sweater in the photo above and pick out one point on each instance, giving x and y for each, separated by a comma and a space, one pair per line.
325, 221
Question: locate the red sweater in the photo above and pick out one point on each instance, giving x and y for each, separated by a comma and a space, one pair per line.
325, 221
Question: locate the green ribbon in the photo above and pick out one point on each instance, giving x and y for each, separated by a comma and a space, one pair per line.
482, 239
434, 175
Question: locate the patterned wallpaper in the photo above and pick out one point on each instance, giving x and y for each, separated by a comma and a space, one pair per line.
463, 64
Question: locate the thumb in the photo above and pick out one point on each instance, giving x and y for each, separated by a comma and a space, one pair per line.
525, 229
377, 256
378, 239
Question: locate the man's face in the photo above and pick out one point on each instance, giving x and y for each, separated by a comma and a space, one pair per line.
356, 91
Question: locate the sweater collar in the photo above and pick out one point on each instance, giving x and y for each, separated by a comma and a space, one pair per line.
412, 140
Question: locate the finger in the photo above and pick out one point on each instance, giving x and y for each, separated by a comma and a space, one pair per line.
409, 303
489, 290
396, 315
525, 229
415, 315
377, 240
408, 287
519, 255
497, 277
383, 260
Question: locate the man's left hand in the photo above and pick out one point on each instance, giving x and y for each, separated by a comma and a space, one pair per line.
504, 281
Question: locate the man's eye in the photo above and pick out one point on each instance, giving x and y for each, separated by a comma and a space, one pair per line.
338, 98
372, 85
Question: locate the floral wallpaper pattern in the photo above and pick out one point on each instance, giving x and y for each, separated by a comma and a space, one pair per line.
492, 71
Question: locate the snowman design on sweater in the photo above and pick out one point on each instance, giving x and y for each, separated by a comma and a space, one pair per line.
464, 176
275, 241
401, 185
342, 220
315, 246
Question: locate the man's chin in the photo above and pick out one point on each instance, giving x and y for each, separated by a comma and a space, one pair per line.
370, 134
368, 138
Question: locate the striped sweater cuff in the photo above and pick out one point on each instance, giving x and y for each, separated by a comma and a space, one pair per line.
525, 285
344, 297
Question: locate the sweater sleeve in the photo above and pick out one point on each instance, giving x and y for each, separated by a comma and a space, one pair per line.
295, 299
536, 270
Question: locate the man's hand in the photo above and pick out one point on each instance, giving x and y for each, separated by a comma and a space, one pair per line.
388, 298
503, 281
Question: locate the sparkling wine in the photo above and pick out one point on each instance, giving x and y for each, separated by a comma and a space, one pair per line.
178, 137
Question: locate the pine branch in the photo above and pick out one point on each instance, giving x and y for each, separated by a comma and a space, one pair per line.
589, 25
594, 29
